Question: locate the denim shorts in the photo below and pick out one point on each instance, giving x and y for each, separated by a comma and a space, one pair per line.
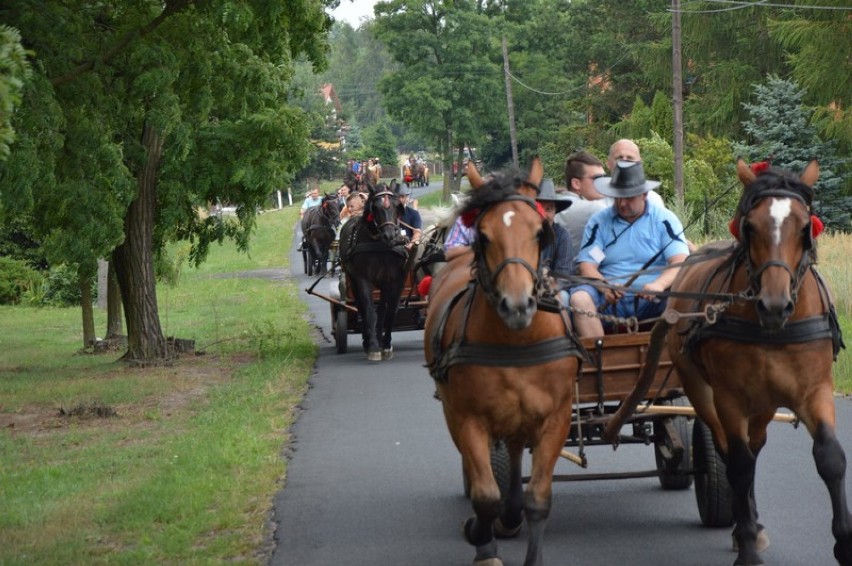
629, 305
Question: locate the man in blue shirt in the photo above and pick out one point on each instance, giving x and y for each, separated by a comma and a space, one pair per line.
632, 236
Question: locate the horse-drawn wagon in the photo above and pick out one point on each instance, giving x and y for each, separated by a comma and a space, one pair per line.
346, 320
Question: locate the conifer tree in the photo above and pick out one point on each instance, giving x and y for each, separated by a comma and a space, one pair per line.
780, 131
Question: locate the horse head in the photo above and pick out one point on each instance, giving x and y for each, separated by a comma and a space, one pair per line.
510, 231
383, 211
776, 229
331, 208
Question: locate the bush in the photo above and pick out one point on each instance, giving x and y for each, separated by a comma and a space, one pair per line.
61, 287
16, 279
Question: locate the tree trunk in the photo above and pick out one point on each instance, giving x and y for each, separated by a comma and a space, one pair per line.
88, 314
115, 328
134, 262
449, 182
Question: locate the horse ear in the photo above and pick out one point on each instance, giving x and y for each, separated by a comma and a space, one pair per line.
744, 172
473, 175
811, 173
536, 171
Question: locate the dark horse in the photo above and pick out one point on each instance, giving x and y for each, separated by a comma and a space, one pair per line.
505, 369
772, 346
318, 229
373, 255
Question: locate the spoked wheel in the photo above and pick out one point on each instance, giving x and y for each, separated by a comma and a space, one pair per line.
673, 461
712, 492
500, 466
341, 322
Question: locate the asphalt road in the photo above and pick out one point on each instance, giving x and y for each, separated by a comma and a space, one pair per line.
374, 479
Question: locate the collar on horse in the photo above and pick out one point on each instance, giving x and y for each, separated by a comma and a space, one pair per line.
364, 238
463, 351
737, 329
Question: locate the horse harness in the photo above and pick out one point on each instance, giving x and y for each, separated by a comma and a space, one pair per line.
462, 351
357, 245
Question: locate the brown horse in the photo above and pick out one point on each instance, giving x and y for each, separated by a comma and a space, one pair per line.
773, 345
504, 369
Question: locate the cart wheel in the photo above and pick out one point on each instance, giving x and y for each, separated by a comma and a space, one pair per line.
500, 468
712, 491
674, 471
341, 321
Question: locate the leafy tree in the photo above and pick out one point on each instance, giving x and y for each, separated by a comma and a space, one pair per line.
446, 87
381, 143
780, 131
14, 70
137, 114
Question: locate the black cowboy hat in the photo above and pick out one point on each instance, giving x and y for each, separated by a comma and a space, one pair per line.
547, 192
628, 180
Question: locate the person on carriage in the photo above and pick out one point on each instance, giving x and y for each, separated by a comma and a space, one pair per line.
558, 256
410, 220
632, 243
354, 206
312, 199
581, 169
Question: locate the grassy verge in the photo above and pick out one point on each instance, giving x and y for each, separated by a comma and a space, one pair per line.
187, 468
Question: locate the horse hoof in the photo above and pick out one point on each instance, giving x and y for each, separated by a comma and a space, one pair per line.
501, 531
387, 353
488, 562
762, 540
374, 356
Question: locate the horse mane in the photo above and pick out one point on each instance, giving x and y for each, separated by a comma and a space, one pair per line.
775, 182
497, 187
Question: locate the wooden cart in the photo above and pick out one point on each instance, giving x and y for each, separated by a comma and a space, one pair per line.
345, 320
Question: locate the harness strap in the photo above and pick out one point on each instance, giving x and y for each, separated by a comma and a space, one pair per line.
746, 331
462, 351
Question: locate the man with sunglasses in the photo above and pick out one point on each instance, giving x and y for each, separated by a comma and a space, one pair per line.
581, 169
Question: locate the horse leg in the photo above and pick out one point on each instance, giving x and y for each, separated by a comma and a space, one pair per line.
475, 447
741, 464
830, 462
508, 524
537, 500
364, 302
391, 294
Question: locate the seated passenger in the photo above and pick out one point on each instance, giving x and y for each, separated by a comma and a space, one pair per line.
629, 237
581, 169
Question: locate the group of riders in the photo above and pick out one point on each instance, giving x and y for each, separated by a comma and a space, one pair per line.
615, 246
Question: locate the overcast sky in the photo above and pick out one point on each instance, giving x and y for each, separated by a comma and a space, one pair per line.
352, 11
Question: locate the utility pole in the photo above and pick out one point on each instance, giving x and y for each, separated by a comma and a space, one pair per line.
512, 135
677, 99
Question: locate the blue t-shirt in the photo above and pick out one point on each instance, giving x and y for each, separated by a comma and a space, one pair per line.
620, 249
413, 219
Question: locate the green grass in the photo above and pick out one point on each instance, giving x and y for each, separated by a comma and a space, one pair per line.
187, 471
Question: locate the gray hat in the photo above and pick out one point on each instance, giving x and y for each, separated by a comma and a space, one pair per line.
628, 180
547, 192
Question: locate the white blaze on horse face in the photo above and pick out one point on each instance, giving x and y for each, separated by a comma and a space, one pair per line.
507, 218
779, 210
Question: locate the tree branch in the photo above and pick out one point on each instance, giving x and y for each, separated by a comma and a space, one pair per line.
172, 7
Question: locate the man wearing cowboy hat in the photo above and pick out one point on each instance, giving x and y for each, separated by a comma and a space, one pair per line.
558, 255
629, 243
